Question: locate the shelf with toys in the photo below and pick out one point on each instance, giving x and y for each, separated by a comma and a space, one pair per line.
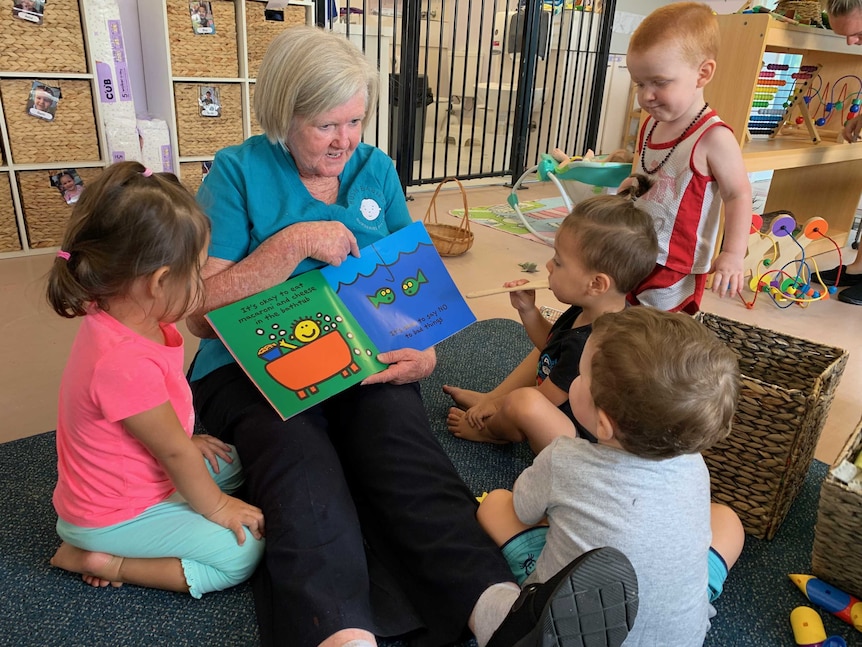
802, 80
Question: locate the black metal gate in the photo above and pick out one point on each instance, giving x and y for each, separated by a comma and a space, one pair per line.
479, 88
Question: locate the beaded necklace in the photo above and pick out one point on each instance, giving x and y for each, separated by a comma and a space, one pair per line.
672, 148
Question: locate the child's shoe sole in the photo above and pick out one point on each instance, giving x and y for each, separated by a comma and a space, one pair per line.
591, 602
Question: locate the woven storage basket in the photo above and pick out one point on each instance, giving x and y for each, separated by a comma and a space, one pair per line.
200, 135
449, 239
9, 239
70, 136
835, 557
787, 389
259, 31
45, 211
203, 55
254, 123
191, 175
57, 45
800, 10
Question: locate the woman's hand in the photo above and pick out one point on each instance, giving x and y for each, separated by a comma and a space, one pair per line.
328, 241
233, 514
405, 366
212, 448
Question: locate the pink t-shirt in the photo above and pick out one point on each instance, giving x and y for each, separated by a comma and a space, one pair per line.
105, 475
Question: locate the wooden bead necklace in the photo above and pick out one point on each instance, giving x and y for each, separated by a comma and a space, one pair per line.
672, 148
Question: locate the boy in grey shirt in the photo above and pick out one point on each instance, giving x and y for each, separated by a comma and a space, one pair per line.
655, 389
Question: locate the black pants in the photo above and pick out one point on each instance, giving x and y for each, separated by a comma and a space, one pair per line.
360, 473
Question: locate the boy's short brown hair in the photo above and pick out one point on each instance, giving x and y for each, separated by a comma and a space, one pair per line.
692, 25
667, 382
615, 237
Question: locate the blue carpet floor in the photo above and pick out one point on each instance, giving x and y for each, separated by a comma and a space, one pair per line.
43, 606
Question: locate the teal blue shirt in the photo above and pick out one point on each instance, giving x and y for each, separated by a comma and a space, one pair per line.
253, 191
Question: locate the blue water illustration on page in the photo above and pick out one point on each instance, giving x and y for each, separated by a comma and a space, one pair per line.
400, 291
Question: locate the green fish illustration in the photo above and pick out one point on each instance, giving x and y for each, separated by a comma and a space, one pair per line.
383, 295
410, 286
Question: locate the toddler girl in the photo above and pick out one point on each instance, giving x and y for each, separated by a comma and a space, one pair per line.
140, 500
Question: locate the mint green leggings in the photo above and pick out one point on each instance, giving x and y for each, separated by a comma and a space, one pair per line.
211, 558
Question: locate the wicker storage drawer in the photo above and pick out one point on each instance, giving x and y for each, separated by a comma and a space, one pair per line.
259, 31
45, 211
9, 239
71, 136
199, 135
835, 557
191, 175
57, 45
203, 55
787, 389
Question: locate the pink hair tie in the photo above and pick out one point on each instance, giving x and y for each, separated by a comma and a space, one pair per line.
147, 172
64, 255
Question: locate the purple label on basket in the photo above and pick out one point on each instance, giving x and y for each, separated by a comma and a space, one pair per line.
106, 83
118, 156
167, 159
124, 87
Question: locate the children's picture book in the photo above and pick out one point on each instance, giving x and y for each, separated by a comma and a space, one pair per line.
320, 332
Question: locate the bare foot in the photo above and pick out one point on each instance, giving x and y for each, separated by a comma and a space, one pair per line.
458, 426
96, 569
464, 398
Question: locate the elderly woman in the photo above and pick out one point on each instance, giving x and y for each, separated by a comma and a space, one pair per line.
370, 531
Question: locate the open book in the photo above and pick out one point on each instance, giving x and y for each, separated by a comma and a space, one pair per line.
319, 333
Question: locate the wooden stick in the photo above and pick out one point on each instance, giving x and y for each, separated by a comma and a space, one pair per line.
532, 285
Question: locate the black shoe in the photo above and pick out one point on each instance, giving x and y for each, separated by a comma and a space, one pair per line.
828, 277
852, 295
592, 602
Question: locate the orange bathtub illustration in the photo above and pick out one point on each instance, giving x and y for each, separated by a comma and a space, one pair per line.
303, 369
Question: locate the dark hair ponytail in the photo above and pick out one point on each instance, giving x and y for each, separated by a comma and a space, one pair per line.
128, 223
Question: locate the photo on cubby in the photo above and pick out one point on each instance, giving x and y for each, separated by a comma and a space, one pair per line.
205, 168
29, 10
209, 101
202, 17
69, 184
43, 100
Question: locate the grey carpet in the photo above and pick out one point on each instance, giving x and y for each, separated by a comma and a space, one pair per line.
43, 606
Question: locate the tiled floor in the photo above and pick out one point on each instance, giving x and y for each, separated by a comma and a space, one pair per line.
34, 341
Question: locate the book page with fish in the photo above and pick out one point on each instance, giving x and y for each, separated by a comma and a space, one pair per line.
400, 291
320, 332
297, 342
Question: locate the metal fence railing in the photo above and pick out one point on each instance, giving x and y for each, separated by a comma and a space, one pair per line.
479, 88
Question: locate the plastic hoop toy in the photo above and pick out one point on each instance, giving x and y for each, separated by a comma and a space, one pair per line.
591, 171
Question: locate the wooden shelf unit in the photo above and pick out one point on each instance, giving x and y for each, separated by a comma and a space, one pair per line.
239, 25
810, 179
33, 214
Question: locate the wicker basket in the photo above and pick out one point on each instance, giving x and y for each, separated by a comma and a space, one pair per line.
835, 557
45, 211
787, 389
9, 239
202, 136
57, 45
71, 136
203, 55
259, 31
807, 12
191, 175
449, 239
